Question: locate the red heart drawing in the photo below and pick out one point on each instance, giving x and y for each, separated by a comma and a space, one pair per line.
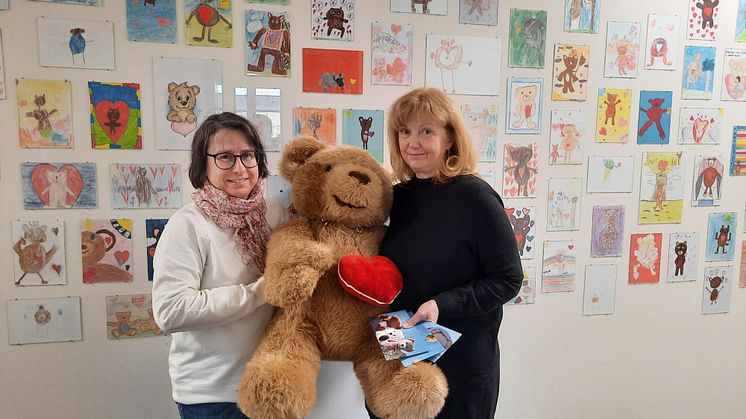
121, 256
395, 28
602, 131
88, 275
526, 210
57, 268
55, 187
509, 211
570, 246
375, 280
113, 118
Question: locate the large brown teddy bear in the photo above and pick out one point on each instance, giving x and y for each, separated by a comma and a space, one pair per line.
343, 197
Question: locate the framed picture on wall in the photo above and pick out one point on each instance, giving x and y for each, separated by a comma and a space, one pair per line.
208, 24
332, 71
463, 65
76, 43
425, 7
662, 46
622, 49
43, 320
58, 185
44, 113
524, 108
582, 16
333, 20
700, 125
151, 24
391, 53
39, 252
698, 76
734, 75
478, 12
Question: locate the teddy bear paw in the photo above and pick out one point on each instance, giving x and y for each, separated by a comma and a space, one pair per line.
294, 286
418, 391
275, 388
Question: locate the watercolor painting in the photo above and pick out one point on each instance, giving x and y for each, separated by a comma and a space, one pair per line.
704, 18
3, 89
734, 75
151, 21
683, 257
662, 46
58, 185
520, 163
570, 76
153, 230
527, 292
527, 38
463, 65
738, 151
130, 316
607, 231
613, 115
262, 107
610, 174
106, 250
661, 188
391, 53
76, 43
742, 282
43, 320
115, 115
333, 19
523, 224
599, 291
622, 50
716, 289
44, 113
708, 178
427, 7
319, 123
721, 235
185, 95
741, 25
698, 76
481, 120
582, 16
39, 247
279, 204
364, 129
267, 44
563, 204
137, 186
524, 112
558, 266
478, 12
83, 2
566, 137
208, 24
645, 258
654, 118
700, 125
332, 71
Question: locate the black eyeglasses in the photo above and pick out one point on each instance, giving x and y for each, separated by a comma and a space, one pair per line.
226, 161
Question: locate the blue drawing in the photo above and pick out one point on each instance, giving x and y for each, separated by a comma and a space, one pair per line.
151, 21
364, 129
654, 122
699, 66
721, 236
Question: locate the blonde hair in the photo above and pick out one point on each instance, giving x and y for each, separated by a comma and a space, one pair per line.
431, 105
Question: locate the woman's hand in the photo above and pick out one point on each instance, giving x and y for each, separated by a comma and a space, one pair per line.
428, 311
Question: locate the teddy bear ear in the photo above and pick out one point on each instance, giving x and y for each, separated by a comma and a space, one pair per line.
296, 153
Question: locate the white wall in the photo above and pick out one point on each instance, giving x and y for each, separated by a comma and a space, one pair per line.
656, 357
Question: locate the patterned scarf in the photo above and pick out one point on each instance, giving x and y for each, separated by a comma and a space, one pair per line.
245, 215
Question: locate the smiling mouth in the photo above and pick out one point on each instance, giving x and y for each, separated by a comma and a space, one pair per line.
345, 204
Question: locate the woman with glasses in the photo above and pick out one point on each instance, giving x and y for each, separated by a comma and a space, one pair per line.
207, 269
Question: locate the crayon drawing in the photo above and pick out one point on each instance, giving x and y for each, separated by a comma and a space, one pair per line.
319, 123
208, 24
527, 292
42, 320
622, 50
700, 125
742, 281
82, 2
44, 113
115, 115
716, 290
427, 7
741, 25
106, 250
280, 2
58, 185
145, 185
610, 174
698, 76
661, 188
520, 162
391, 53
738, 151
704, 18
708, 178
130, 316
76, 43
39, 252
613, 115
151, 21
599, 292
566, 137
721, 235
522, 221
478, 12
563, 204
558, 266
333, 19
262, 107
524, 112
153, 230
463, 65
582, 16
3, 93
654, 118
662, 46
645, 258
332, 71
683, 257
607, 231
364, 129
267, 44
527, 37
482, 124
734, 75
570, 77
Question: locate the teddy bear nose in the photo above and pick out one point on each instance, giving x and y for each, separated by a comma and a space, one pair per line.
361, 177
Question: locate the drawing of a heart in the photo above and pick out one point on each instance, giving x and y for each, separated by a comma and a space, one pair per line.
730, 86
57, 268
526, 210
121, 256
138, 301
509, 211
570, 246
55, 230
395, 29
353, 81
528, 248
375, 280
88, 275
183, 128
66, 176
602, 131
113, 117
623, 122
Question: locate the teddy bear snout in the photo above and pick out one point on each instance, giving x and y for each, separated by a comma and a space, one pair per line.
361, 177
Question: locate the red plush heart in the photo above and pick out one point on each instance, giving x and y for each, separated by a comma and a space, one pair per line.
375, 280
113, 128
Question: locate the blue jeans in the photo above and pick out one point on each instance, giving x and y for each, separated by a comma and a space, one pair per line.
210, 411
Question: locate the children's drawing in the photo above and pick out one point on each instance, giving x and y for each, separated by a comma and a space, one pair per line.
570, 77
599, 292
319, 123
607, 231
563, 204
279, 205
662, 46
708, 178
333, 19
527, 292
464, 65
58, 185
115, 115
208, 24
151, 21
734, 75
489, 176
44, 113
742, 282
41, 320
106, 250
558, 266
527, 37
76, 43
262, 107
683, 257
39, 252
332, 71
566, 136
697, 78
187, 91
704, 20
267, 44
145, 185
364, 129
519, 170
622, 49
523, 222
741, 25
280, 2
645, 258
84, 2
3, 94
427, 7
661, 188
700, 125
610, 174
130, 316
524, 112
478, 12
482, 124
721, 234
716, 290
738, 151
582, 16
391, 53
654, 118
153, 230
613, 115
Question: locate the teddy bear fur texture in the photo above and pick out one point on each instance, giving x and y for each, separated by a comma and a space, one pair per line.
343, 197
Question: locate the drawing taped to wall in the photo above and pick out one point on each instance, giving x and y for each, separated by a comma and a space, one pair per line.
613, 115
607, 231
76, 43
280, 2
683, 257
524, 112
716, 289
478, 12
106, 250
520, 163
465, 65
563, 204
645, 258
700, 125
582, 16
44, 113
527, 292
391, 53
267, 44
558, 266
58, 185
208, 24
151, 21
708, 179
115, 115
734, 75
742, 282
661, 188
319, 123
427, 7
566, 137
145, 185
130, 316
662, 46
741, 25
153, 229
570, 76
3, 94
654, 118
738, 151
704, 18
39, 252
622, 49
522, 221
599, 292
333, 19
481, 120
42, 320
527, 37
721, 234
332, 71
364, 129
610, 174
698, 76
83, 2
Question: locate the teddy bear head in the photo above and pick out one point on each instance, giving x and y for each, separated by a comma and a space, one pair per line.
94, 245
738, 66
182, 96
339, 184
526, 93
